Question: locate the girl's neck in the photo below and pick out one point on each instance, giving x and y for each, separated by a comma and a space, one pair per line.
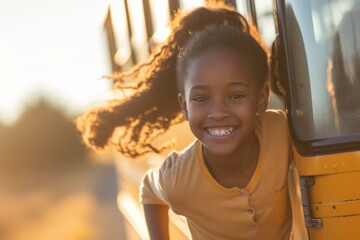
234, 170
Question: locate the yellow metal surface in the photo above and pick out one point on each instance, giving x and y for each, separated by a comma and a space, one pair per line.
335, 195
337, 209
299, 232
335, 188
337, 228
328, 164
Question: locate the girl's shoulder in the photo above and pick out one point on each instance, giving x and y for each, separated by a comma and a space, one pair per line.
274, 117
274, 124
275, 113
177, 161
179, 170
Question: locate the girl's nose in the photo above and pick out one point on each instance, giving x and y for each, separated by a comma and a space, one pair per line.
218, 111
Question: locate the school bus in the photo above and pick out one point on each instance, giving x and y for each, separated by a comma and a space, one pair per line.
318, 55
315, 66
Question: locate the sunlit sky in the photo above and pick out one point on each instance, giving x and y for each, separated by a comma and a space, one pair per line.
55, 49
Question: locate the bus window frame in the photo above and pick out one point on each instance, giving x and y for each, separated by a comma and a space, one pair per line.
313, 147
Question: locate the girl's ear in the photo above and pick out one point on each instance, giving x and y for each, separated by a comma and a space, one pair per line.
182, 103
263, 99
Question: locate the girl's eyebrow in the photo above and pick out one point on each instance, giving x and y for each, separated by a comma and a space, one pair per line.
238, 83
196, 87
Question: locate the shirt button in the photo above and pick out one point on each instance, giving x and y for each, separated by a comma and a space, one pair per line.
250, 211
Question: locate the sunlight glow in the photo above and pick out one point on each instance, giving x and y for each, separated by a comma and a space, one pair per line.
186, 4
161, 19
160, 13
137, 21
131, 210
119, 22
55, 49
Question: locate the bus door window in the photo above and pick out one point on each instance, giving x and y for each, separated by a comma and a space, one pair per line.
323, 40
344, 66
301, 43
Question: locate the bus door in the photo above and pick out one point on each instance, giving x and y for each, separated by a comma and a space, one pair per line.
318, 65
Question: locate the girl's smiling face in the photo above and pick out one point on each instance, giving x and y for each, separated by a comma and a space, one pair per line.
220, 100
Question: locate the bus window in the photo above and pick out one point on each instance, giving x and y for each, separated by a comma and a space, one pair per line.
344, 79
266, 26
119, 27
161, 18
243, 7
186, 4
137, 22
265, 20
324, 46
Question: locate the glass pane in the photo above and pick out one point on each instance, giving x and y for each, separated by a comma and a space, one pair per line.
186, 4
243, 7
137, 22
265, 20
119, 22
266, 25
324, 39
161, 19
160, 13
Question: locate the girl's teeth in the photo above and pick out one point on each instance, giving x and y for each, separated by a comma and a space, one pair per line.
220, 132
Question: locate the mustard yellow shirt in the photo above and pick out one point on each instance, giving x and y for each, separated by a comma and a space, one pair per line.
261, 210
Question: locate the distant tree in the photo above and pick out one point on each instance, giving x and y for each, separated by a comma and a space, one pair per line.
42, 138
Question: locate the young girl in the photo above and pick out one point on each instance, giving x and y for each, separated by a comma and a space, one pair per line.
231, 182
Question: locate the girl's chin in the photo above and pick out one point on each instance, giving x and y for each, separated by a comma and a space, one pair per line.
217, 150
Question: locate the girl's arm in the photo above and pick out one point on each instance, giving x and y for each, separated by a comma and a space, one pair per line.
157, 220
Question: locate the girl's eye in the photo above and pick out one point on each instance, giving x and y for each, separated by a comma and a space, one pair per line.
236, 96
199, 99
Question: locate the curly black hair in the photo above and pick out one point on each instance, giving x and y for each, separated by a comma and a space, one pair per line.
132, 123
240, 43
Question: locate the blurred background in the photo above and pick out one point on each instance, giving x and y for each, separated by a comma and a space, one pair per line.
52, 56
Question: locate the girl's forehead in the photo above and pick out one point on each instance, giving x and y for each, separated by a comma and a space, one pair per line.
218, 56
218, 66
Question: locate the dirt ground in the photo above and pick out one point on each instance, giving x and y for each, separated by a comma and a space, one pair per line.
72, 204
